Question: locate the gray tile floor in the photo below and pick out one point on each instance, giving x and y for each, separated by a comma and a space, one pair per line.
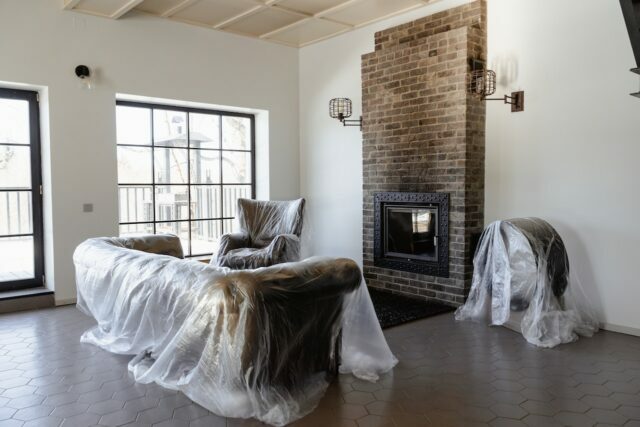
450, 374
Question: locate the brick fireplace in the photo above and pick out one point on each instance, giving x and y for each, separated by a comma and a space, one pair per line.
422, 133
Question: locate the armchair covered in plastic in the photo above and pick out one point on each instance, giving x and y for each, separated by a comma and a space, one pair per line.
269, 234
521, 266
252, 343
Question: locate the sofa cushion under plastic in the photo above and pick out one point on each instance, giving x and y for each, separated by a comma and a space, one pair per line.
283, 248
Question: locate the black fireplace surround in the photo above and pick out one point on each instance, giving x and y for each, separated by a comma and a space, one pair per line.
411, 232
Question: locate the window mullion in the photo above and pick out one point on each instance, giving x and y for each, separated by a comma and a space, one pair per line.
192, 219
222, 226
189, 181
153, 172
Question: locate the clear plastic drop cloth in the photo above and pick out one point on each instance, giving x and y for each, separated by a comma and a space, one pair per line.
521, 266
267, 233
261, 343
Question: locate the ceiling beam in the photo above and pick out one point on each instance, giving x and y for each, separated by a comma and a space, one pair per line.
285, 27
69, 4
239, 16
291, 11
126, 8
177, 8
319, 39
389, 15
336, 8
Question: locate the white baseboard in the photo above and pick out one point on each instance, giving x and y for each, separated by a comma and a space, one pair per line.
621, 329
66, 301
514, 324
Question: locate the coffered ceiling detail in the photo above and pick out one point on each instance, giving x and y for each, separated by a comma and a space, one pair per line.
295, 23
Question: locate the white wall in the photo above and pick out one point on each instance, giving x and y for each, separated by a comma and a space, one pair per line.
331, 155
572, 156
569, 158
40, 45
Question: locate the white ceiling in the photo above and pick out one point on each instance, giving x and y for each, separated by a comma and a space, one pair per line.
294, 23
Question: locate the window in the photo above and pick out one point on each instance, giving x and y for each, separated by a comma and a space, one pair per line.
21, 248
181, 171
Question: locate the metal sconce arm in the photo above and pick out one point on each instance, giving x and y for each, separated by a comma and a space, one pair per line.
516, 100
352, 122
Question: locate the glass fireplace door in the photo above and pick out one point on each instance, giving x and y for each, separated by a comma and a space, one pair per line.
21, 249
410, 232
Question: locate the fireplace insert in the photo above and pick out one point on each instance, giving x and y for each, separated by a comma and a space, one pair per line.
411, 232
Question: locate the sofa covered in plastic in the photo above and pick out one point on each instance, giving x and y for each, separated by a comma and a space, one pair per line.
261, 343
269, 234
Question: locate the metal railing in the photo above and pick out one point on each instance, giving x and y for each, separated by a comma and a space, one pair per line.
210, 205
15, 213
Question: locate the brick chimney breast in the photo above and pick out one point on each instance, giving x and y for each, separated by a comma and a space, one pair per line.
422, 132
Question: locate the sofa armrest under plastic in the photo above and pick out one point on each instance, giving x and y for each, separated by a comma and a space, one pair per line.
285, 248
161, 244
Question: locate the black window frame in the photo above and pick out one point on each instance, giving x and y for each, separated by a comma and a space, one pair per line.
37, 225
189, 184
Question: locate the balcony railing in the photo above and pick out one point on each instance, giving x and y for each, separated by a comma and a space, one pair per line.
15, 213
212, 208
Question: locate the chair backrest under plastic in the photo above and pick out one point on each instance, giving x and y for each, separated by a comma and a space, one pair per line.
263, 220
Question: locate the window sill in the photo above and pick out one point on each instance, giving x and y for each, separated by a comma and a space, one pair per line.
26, 299
23, 293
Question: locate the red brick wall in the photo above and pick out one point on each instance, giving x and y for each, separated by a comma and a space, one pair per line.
423, 133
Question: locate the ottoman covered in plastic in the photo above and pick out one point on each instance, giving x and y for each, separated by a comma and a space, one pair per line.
521, 267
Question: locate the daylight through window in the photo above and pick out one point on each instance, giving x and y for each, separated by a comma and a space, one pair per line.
181, 171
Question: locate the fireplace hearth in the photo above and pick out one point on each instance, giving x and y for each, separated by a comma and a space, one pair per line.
411, 232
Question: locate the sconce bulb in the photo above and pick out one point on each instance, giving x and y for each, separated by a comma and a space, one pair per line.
340, 108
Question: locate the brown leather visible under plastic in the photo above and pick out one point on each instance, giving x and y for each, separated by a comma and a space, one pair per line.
269, 234
257, 343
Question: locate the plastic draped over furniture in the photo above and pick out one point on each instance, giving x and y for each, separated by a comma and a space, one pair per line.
269, 234
259, 343
161, 244
521, 267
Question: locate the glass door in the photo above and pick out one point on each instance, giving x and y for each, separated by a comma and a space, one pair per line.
21, 249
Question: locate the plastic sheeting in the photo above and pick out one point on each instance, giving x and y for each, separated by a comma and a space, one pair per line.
521, 265
253, 343
269, 234
161, 244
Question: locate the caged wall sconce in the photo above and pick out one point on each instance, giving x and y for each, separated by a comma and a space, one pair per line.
481, 82
341, 109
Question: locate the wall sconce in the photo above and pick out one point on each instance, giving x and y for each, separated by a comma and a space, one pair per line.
482, 83
341, 109
84, 74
